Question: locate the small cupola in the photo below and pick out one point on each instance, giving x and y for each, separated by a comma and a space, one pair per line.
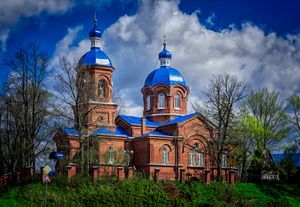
95, 35
95, 56
165, 56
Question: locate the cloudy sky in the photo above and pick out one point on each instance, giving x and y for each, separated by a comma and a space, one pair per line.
258, 41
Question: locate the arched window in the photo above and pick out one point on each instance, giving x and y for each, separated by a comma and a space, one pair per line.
148, 102
192, 158
224, 160
111, 155
200, 159
177, 101
102, 88
161, 101
165, 156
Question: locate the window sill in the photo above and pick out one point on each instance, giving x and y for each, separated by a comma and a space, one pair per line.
163, 165
194, 166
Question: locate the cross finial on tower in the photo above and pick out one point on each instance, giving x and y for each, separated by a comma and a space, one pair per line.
165, 41
95, 18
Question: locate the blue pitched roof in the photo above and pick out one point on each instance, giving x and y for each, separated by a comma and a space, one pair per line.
165, 75
280, 156
95, 57
156, 133
69, 131
179, 119
103, 131
133, 120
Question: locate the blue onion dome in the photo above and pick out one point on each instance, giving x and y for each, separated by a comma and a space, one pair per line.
165, 53
95, 57
165, 75
95, 32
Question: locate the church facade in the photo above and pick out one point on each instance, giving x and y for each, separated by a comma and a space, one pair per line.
165, 143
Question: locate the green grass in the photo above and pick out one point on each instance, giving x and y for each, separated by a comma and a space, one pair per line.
9, 199
141, 192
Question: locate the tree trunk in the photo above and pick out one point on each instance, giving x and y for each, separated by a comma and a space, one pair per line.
219, 170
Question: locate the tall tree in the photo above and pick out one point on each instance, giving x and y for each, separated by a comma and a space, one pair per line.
26, 107
270, 124
294, 108
10, 146
221, 97
242, 136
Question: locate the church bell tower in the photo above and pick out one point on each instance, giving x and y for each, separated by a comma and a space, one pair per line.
94, 77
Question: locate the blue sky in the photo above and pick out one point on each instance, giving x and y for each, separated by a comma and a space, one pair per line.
255, 40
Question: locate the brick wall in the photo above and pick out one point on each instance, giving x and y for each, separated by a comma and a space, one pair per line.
168, 112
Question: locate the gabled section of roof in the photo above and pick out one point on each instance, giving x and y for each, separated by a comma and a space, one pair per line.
186, 117
133, 120
156, 133
280, 156
103, 131
69, 131
179, 119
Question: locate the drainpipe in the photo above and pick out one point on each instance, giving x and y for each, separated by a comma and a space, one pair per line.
176, 157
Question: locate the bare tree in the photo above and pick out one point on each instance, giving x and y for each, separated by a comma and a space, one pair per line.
10, 145
26, 117
221, 97
118, 99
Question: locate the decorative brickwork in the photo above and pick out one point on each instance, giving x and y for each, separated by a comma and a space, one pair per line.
168, 112
97, 89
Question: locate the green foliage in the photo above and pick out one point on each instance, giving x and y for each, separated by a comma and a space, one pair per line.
293, 107
143, 192
268, 121
287, 166
9, 199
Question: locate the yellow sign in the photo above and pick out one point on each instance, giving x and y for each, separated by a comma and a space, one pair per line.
47, 170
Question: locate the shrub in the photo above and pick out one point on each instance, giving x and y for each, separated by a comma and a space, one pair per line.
142, 192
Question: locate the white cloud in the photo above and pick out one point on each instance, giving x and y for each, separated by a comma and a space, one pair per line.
211, 18
66, 48
133, 44
12, 10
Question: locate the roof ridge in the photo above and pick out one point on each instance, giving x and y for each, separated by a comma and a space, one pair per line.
184, 117
137, 121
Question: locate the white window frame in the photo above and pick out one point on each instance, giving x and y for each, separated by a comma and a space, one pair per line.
148, 102
111, 156
224, 161
165, 156
161, 101
201, 159
177, 101
192, 161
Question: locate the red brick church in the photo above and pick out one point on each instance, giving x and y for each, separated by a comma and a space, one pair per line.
166, 143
